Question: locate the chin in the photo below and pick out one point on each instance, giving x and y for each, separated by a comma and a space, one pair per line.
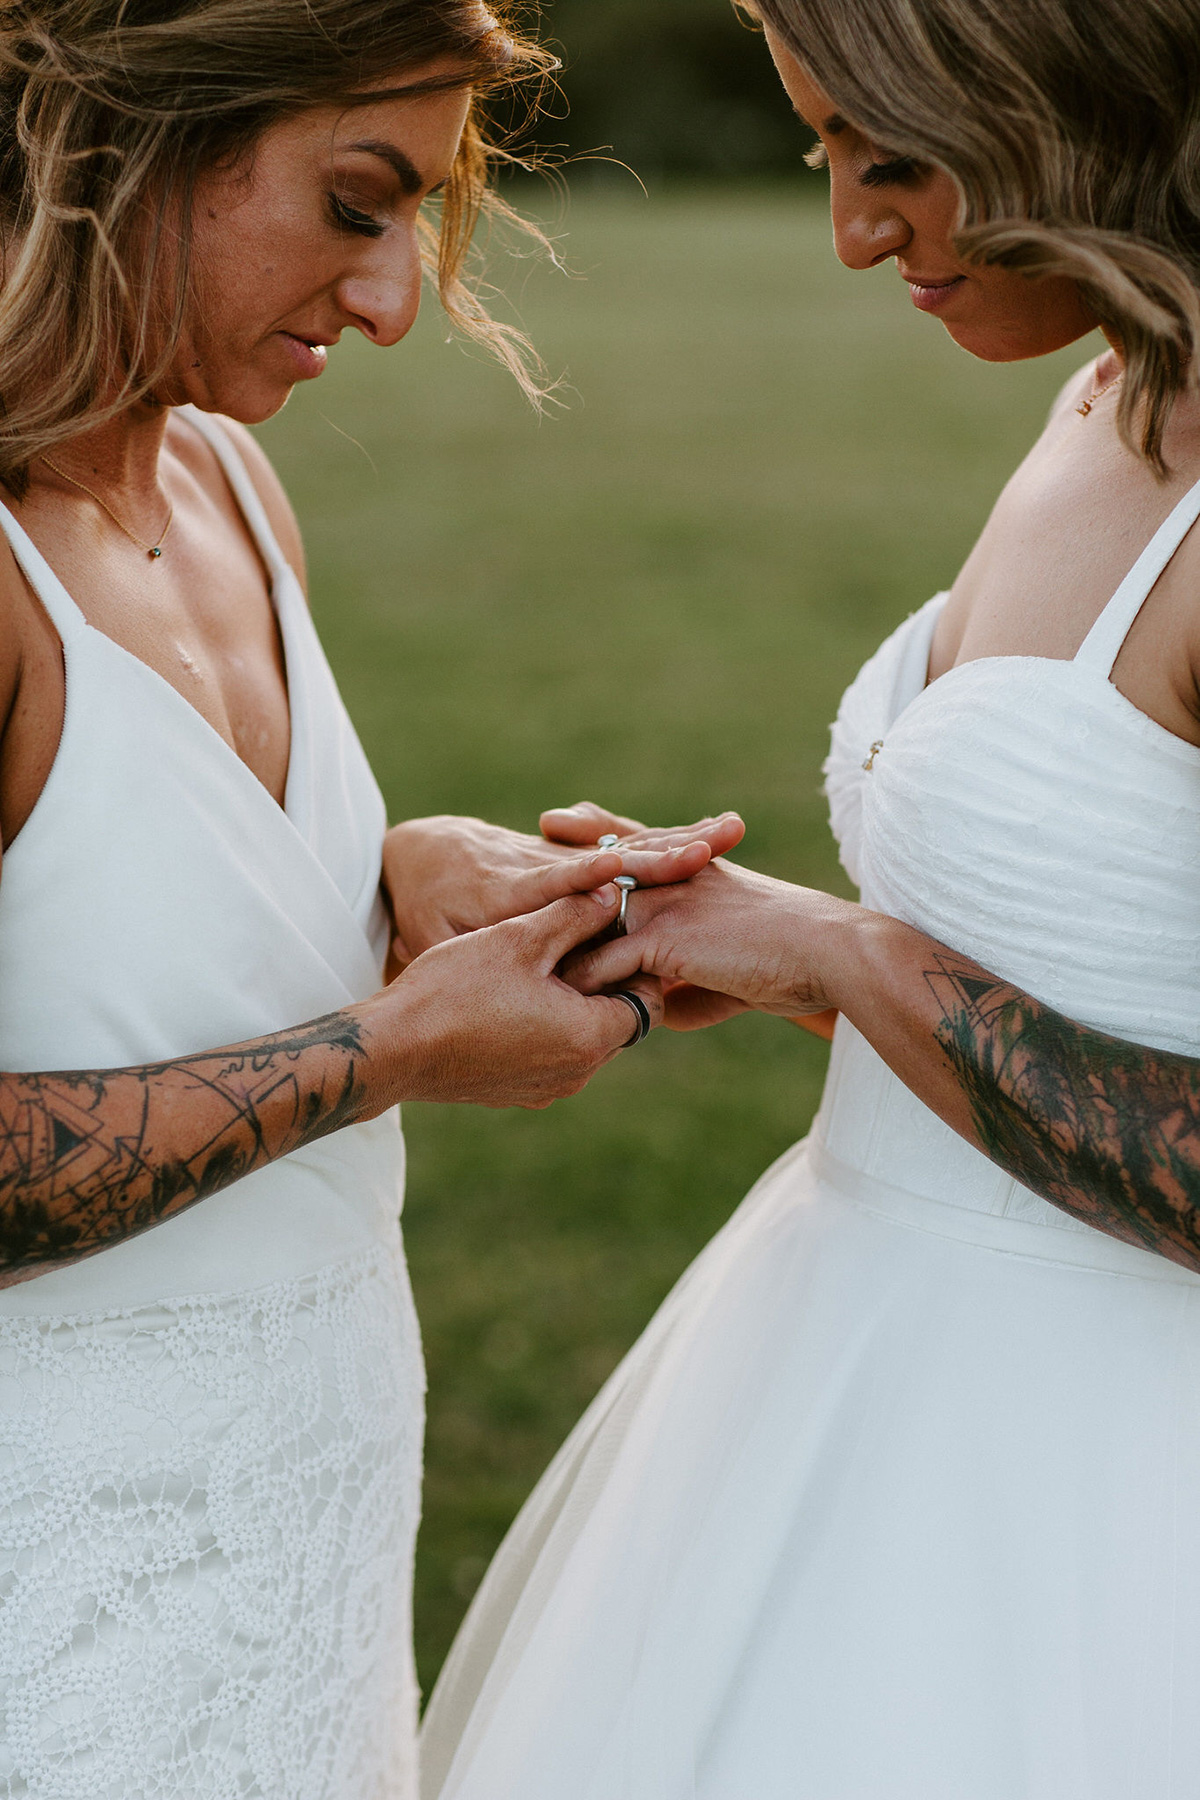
1020, 340
249, 402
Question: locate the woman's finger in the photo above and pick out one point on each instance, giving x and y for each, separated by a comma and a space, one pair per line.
626, 1020
720, 834
605, 965
658, 868
534, 888
583, 823
689, 1008
563, 926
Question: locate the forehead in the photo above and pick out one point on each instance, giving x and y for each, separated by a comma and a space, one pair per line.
811, 102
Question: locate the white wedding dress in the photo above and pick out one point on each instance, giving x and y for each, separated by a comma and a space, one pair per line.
898, 1497
210, 1436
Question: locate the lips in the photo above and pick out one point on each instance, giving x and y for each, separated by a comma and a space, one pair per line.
308, 355
930, 293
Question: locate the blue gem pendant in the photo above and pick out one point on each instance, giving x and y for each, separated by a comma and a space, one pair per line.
157, 551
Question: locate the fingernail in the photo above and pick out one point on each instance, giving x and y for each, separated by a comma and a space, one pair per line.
606, 895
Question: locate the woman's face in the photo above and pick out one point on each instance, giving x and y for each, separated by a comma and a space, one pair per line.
316, 235
885, 207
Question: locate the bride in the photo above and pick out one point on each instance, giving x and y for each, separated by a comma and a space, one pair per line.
896, 1498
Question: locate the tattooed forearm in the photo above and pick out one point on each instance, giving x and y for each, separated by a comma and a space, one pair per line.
90, 1158
1107, 1130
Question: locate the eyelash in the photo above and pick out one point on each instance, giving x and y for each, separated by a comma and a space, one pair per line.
894, 169
348, 218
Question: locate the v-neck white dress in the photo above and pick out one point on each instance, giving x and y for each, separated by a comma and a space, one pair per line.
210, 1436
898, 1497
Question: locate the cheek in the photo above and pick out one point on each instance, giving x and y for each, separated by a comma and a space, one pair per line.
933, 209
1015, 318
246, 262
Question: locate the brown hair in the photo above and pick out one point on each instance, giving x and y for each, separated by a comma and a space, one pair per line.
109, 106
1072, 128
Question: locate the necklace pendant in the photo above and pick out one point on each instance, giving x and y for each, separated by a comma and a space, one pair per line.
155, 552
1085, 409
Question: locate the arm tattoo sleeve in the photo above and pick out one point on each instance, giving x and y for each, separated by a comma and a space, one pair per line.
88, 1159
1107, 1130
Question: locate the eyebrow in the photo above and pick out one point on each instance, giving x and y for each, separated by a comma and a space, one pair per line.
403, 167
833, 126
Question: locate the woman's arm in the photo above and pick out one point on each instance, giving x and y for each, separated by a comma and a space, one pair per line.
1109, 1131
91, 1158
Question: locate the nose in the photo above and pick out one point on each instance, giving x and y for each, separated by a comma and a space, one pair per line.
381, 295
866, 230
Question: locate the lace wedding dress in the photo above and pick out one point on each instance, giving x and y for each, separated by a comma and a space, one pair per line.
210, 1436
897, 1497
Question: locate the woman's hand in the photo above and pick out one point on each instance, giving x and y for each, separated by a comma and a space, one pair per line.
729, 941
445, 876
485, 1018
585, 823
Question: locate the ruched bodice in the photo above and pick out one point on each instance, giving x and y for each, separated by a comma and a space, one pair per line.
1024, 812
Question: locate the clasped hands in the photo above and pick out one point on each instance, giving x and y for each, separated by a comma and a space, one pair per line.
717, 939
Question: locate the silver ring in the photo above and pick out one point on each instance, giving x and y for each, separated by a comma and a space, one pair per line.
641, 1012
627, 885
609, 841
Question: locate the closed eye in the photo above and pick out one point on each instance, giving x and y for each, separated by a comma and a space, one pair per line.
349, 218
889, 171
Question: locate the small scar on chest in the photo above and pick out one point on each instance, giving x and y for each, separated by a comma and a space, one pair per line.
189, 663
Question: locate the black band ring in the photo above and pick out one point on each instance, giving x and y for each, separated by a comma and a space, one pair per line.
641, 1011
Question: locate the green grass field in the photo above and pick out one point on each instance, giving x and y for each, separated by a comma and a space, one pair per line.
654, 599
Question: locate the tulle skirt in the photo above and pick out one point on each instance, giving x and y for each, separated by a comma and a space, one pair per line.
892, 1501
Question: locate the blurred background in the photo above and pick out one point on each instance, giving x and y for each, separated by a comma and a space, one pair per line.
653, 596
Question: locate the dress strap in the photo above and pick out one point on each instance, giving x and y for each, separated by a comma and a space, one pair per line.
1102, 645
244, 490
64, 614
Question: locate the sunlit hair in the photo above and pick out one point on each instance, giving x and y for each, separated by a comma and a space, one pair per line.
1072, 128
111, 109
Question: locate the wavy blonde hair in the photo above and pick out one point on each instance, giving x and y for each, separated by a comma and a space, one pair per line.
1072, 129
111, 109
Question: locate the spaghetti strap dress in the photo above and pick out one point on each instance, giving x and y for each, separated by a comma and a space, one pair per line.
210, 1435
897, 1496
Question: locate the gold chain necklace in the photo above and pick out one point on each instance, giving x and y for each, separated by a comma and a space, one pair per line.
1085, 408
152, 550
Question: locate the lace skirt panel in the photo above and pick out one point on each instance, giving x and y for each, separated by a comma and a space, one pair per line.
207, 1517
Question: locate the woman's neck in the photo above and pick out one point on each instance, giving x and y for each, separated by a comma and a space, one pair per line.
120, 456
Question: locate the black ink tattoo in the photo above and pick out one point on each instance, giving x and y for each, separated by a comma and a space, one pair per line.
90, 1158
1107, 1130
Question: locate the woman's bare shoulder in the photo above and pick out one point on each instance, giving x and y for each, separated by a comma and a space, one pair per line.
31, 695
15, 626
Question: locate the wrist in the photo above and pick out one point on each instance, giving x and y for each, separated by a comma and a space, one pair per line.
862, 950
385, 1070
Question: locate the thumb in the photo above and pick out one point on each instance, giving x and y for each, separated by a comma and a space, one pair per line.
570, 922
